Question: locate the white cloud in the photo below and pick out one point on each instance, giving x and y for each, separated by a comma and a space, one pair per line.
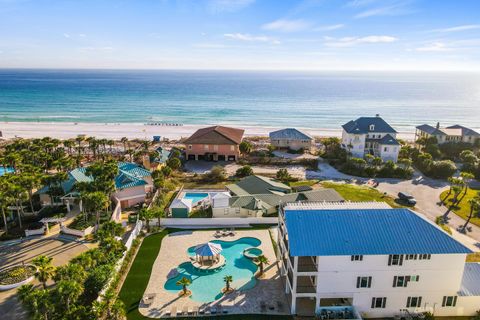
82, 35
217, 6
352, 41
459, 28
434, 47
393, 8
285, 25
209, 45
359, 3
66, 35
329, 28
250, 38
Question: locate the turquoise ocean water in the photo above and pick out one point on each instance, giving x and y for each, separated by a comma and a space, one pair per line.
301, 99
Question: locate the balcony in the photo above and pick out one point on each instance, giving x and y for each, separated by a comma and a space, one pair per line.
305, 284
340, 312
307, 264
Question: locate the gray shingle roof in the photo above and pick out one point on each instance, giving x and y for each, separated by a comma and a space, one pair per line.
257, 185
289, 134
430, 130
362, 126
389, 140
465, 131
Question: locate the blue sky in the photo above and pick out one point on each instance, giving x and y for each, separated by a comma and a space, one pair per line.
241, 34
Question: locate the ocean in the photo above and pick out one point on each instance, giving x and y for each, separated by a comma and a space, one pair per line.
279, 99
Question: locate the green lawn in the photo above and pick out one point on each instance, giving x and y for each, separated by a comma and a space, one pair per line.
360, 193
463, 208
139, 274
473, 257
303, 183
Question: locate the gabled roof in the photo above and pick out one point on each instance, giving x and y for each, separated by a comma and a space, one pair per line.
216, 135
362, 126
289, 134
181, 203
465, 131
389, 140
129, 175
430, 130
367, 232
258, 185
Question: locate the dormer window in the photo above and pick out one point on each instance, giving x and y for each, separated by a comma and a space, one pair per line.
372, 127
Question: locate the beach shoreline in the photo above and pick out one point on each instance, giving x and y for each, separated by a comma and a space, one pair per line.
115, 131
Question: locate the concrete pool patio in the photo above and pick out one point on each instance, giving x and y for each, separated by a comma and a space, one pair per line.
267, 297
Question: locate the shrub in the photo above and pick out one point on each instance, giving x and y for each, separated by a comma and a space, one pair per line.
283, 175
217, 174
245, 147
244, 171
174, 163
442, 169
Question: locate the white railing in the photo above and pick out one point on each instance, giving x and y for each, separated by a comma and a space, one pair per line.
77, 233
117, 212
212, 222
35, 232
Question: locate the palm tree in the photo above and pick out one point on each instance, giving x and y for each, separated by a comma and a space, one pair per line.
467, 178
262, 260
45, 269
24, 291
228, 280
474, 211
184, 282
5, 200
124, 140
96, 202
146, 215
68, 291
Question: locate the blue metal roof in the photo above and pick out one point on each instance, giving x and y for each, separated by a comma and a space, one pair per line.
368, 232
362, 126
289, 133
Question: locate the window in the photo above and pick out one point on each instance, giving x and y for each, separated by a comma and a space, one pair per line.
411, 257
357, 257
206, 147
395, 260
215, 147
385, 149
372, 127
414, 302
449, 301
189, 147
379, 302
232, 148
424, 256
402, 281
364, 282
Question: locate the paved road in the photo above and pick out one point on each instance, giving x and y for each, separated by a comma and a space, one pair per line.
60, 250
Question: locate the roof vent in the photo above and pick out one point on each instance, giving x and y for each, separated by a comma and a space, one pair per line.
377, 115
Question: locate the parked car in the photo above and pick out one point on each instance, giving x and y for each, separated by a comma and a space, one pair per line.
407, 198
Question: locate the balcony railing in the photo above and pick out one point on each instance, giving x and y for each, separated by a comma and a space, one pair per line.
307, 264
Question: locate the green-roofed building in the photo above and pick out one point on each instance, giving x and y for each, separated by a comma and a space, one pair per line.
258, 185
225, 205
132, 184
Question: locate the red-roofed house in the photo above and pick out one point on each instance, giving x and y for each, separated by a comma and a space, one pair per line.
214, 144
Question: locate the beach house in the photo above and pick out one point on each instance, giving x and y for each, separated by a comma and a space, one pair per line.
214, 144
369, 260
455, 133
256, 184
132, 184
225, 205
291, 138
370, 135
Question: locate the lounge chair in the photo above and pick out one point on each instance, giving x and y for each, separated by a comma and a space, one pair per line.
173, 312
168, 312
201, 310
190, 310
195, 310
179, 312
185, 310
217, 234
207, 311
213, 310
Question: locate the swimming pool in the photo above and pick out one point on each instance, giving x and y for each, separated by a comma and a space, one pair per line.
195, 197
5, 170
206, 286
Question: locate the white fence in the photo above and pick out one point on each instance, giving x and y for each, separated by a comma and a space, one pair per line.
133, 235
199, 223
77, 233
35, 232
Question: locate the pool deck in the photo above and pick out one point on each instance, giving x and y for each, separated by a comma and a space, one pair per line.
268, 292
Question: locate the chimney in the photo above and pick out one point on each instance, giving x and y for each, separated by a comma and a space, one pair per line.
438, 125
377, 115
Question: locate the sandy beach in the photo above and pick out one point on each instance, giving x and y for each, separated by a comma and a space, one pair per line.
65, 130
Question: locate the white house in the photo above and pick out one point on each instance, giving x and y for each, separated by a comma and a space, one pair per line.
375, 261
370, 135
456, 133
